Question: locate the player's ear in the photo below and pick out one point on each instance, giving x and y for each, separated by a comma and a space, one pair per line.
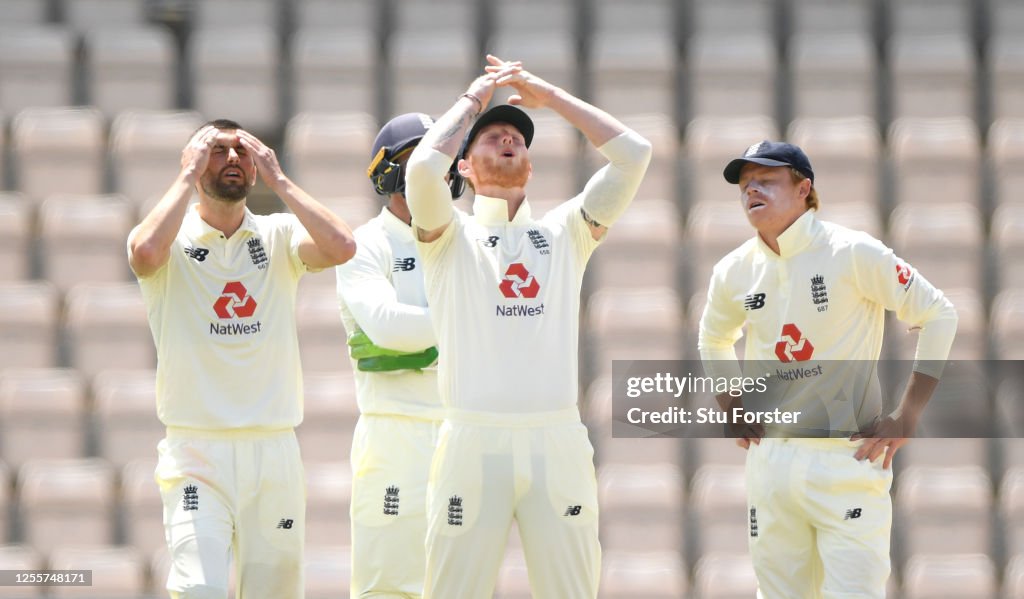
464, 168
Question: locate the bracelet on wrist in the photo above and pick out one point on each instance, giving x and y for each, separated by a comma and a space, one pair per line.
479, 102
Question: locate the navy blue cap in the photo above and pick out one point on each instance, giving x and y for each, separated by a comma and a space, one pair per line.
502, 113
770, 153
401, 132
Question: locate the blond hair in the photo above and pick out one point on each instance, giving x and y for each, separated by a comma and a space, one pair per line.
811, 200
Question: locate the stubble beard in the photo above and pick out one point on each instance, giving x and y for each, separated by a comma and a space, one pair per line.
501, 172
226, 191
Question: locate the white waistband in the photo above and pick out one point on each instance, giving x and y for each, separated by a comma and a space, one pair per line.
514, 419
179, 432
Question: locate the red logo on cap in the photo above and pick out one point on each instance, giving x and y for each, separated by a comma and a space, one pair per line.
519, 282
234, 301
792, 346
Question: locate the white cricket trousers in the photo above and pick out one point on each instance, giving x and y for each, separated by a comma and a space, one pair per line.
490, 468
390, 463
240, 493
819, 520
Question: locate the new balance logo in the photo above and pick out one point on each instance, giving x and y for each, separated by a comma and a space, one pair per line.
190, 499
753, 522
573, 510
197, 254
455, 510
854, 513
404, 264
754, 301
286, 523
489, 242
391, 501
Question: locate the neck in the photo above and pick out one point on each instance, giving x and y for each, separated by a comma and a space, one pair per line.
771, 240
398, 207
226, 217
513, 196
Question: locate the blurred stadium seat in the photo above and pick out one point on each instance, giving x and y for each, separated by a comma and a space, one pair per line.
329, 489
1008, 245
16, 235
124, 415
90, 15
1006, 148
145, 151
327, 153
322, 339
141, 507
647, 573
1007, 325
82, 238
932, 76
930, 16
106, 327
834, 75
5, 505
634, 74
732, 75
42, 414
118, 571
944, 511
430, 70
131, 68
334, 72
718, 517
641, 507
644, 250
36, 64
237, 14
710, 143
20, 557
846, 154
328, 570
339, 16
1006, 65
950, 577
725, 576
835, 17
66, 502
325, 434
942, 240
1011, 509
235, 75
29, 316
26, 12
58, 150
936, 160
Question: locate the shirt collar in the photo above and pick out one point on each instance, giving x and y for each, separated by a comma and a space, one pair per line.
796, 238
490, 211
394, 225
195, 227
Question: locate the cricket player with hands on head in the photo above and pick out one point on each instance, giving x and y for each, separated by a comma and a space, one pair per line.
219, 284
392, 345
504, 292
812, 292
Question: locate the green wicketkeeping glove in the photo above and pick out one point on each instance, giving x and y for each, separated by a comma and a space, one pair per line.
373, 358
417, 361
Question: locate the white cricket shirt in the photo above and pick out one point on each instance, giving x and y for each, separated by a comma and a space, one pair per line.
222, 313
505, 300
380, 291
813, 317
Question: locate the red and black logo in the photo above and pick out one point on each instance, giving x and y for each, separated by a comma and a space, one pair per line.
234, 302
519, 282
904, 274
792, 345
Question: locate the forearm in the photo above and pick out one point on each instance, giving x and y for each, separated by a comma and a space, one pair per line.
426, 192
330, 234
916, 396
447, 133
397, 326
610, 191
150, 246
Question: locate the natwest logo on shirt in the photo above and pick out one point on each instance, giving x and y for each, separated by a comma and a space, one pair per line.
235, 301
904, 274
519, 282
792, 345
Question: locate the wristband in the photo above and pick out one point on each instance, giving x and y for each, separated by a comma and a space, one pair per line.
478, 101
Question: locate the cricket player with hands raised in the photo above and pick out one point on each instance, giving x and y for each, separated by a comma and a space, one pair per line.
504, 292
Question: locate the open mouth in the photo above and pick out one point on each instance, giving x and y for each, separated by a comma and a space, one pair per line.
508, 154
755, 205
232, 174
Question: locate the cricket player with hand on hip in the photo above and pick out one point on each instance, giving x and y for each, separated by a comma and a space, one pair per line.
504, 294
811, 292
392, 345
